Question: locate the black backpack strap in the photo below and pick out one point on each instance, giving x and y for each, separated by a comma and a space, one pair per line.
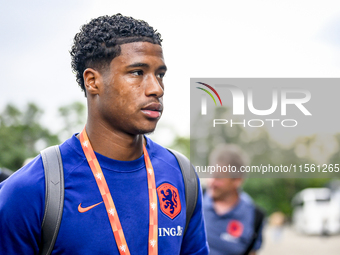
54, 197
259, 217
190, 183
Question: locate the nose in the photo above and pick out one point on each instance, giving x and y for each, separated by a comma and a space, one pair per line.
154, 86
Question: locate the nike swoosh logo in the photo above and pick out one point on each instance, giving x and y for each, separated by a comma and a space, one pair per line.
82, 210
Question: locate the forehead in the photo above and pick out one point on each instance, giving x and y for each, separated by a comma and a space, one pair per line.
137, 50
222, 176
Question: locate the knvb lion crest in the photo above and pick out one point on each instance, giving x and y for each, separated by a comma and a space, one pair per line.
169, 200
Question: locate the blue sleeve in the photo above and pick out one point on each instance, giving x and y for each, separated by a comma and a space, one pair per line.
195, 239
21, 208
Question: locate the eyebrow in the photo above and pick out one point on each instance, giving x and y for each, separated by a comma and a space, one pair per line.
163, 67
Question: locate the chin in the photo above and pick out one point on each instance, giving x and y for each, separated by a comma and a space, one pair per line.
215, 195
149, 133
147, 128
146, 131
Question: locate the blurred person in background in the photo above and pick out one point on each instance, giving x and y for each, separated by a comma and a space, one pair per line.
234, 224
4, 174
276, 221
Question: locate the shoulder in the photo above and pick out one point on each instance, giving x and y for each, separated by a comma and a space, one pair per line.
161, 154
248, 202
26, 182
246, 199
207, 201
27, 185
22, 208
244, 209
72, 155
248, 207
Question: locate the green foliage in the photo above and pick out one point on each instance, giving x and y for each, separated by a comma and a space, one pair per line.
182, 144
22, 135
73, 118
20, 131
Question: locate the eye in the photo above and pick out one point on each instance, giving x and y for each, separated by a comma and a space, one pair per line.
161, 75
137, 72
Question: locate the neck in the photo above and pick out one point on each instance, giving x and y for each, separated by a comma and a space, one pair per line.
113, 144
225, 204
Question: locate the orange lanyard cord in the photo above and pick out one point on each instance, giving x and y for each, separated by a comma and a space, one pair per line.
110, 206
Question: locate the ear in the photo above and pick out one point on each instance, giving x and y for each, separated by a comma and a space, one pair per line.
92, 81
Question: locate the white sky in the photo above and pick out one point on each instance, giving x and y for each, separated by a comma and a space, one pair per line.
263, 38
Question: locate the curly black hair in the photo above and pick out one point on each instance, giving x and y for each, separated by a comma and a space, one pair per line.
98, 42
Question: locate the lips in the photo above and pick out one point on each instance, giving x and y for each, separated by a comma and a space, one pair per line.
153, 110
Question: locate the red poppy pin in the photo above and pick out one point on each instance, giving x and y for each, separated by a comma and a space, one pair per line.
235, 228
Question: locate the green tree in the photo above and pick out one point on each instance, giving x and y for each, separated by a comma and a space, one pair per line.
20, 134
181, 144
73, 117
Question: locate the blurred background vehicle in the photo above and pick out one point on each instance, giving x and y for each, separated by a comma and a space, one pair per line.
316, 211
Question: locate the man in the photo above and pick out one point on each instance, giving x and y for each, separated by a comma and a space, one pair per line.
109, 166
229, 213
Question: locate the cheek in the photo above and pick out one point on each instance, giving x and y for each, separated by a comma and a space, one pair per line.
117, 96
209, 183
125, 94
125, 102
127, 87
215, 184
